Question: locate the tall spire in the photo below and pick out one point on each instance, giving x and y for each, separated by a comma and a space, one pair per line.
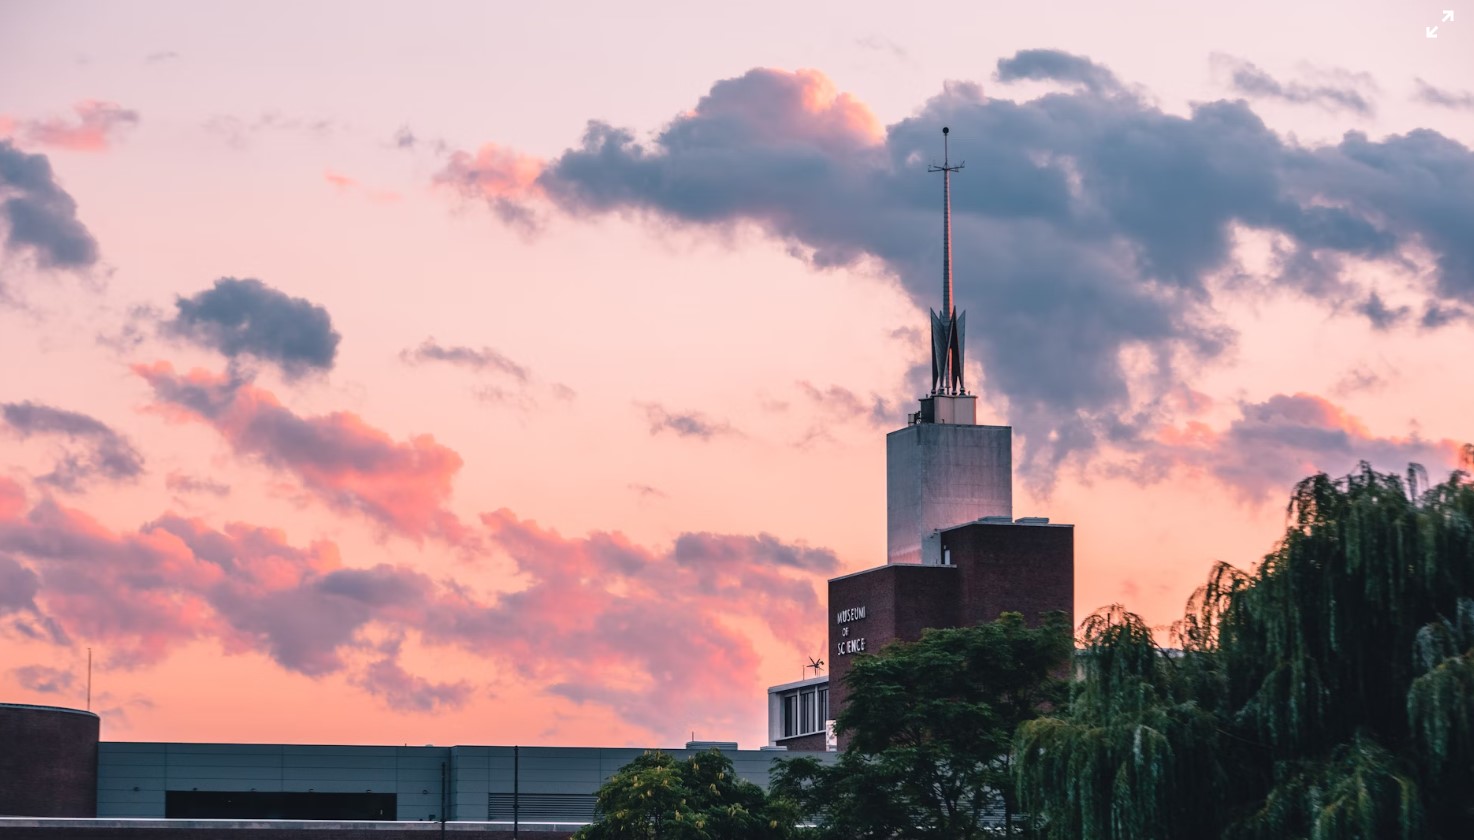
947, 326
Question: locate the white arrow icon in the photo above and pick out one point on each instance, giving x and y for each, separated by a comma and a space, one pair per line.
1448, 15
1432, 31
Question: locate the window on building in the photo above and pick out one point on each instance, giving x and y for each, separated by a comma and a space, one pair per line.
805, 711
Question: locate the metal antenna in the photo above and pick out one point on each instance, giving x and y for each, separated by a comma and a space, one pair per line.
946, 361
946, 169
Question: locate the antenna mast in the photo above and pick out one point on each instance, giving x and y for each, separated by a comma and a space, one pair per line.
946, 361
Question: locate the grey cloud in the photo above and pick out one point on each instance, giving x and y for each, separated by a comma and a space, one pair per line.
875, 409
401, 690
109, 454
45, 680
249, 318
1382, 316
479, 359
1436, 315
646, 491
40, 215
238, 132
1458, 99
1056, 65
181, 483
707, 548
1085, 224
880, 43
1343, 91
1272, 444
1277, 442
18, 587
684, 424
1360, 379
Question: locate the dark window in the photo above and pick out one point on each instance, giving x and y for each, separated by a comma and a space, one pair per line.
278, 805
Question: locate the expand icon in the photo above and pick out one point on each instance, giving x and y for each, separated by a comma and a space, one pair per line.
1432, 31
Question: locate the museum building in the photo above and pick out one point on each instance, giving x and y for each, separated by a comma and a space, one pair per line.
955, 555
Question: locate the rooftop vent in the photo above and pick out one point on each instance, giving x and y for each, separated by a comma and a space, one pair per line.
997, 520
1032, 520
711, 745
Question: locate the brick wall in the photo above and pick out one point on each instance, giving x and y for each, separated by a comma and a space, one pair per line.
48, 761
900, 601
1027, 569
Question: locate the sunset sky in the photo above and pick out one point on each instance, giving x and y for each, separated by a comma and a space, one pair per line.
490, 373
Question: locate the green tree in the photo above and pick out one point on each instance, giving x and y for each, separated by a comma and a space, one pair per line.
930, 727
1328, 694
656, 797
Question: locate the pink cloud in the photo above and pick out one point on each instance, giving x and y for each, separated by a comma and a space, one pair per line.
338, 179
342, 460
659, 638
776, 106
493, 172
1274, 443
97, 125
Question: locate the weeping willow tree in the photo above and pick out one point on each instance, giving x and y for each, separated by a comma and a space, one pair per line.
1328, 694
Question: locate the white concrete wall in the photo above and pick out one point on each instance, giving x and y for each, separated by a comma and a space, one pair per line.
939, 475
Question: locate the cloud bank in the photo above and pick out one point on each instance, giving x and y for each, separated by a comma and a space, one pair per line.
662, 638
1090, 227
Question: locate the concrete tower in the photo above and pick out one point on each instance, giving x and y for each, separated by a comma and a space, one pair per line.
943, 469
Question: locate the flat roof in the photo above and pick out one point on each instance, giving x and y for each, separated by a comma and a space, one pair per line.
804, 683
892, 566
47, 709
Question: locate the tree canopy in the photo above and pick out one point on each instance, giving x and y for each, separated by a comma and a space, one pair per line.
656, 797
930, 728
1329, 693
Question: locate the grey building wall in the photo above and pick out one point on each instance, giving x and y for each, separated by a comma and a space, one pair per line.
133, 776
939, 475
481, 772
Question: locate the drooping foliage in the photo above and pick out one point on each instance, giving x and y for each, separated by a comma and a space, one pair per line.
656, 797
929, 729
1329, 694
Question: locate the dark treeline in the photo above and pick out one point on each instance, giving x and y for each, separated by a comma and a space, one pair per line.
1326, 694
